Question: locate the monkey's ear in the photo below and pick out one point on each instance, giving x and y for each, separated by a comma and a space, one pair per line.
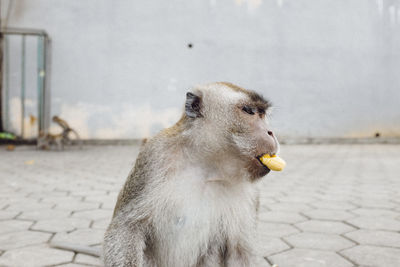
193, 105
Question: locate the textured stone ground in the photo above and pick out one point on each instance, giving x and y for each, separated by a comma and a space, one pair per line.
334, 205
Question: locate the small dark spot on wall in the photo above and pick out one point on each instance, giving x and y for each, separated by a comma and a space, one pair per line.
190, 45
377, 134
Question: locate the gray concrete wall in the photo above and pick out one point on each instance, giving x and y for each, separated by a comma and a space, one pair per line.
120, 69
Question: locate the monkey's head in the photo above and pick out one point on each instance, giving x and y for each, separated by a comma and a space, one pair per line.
55, 118
229, 127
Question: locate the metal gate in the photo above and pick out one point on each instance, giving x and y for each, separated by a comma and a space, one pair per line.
25, 82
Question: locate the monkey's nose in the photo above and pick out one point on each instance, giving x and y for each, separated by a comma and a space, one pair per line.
270, 133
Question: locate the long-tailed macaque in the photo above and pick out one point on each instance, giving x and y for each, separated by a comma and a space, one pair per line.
48, 140
67, 130
191, 198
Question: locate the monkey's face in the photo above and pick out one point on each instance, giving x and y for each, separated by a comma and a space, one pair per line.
252, 136
233, 125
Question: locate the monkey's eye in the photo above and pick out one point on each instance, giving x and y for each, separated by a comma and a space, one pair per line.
248, 110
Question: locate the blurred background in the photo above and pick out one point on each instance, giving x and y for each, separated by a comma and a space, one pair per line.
120, 69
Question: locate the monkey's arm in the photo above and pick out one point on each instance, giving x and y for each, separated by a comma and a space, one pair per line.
244, 254
124, 244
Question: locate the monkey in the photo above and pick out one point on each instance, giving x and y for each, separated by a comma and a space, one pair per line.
66, 130
47, 140
63, 124
192, 197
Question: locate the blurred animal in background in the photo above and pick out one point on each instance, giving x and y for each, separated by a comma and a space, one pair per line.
48, 140
67, 130
192, 198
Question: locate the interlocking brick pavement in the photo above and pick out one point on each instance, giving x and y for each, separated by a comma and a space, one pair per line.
334, 205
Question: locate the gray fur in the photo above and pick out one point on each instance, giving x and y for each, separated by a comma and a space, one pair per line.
190, 199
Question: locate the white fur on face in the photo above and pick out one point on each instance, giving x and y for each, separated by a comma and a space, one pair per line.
213, 134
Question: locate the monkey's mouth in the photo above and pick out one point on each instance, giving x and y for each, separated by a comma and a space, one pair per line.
262, 164
256, 169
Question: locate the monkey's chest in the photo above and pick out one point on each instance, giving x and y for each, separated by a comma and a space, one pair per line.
191, 218
194, 220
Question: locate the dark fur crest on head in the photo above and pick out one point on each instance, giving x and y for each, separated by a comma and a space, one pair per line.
258, 100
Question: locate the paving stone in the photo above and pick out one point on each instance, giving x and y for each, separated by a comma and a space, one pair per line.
35, 256
376, 203
81, 182
61, 200
297, 199
44, 214
334, 215
61, 225
98, 246
29, 206
14, 226
276, 229
328, 227
261, 262
375, 212
309, 258
267, 200
86, 259
76, 206
101, 224
21, 239
49, 193
373, 256
102, 198
376, 223
89, 193
81, 237
8, 214
280, 216
338, 197
108, 204
288, 206
93, 214
375, 237
334, 205
268, 245
319, 241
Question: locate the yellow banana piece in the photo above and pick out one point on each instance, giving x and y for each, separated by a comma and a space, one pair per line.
273, 162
